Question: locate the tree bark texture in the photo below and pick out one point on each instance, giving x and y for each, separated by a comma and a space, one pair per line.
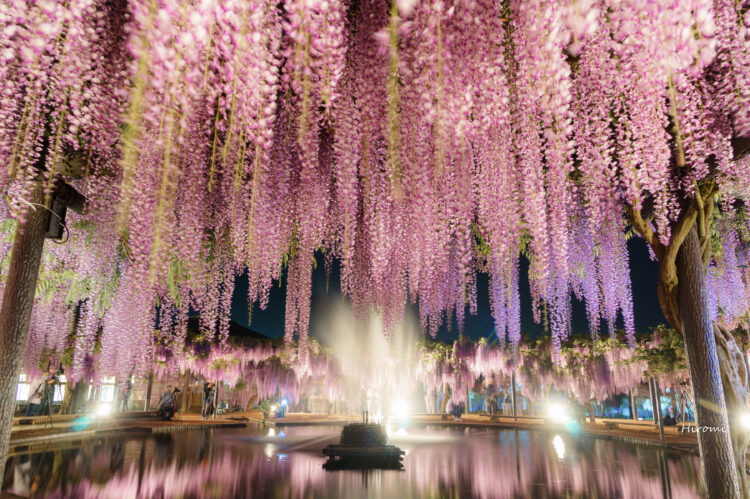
147, 404
683, 409
15, 314
653, 400
735, 380
446, 396
715, 444
657, 408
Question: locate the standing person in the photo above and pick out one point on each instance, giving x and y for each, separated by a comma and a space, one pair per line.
208, 409
35, 401
670, 419
48, 392
125, 396
460, 409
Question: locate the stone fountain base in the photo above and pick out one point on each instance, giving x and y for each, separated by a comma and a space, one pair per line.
363, 446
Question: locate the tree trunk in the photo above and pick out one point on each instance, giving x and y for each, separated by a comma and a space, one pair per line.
149, 386
15, 314
186, 394
82, 390
633, 407
657, 408
734, 375
444, 402
683, 409
653, 401
717, 455
216, 397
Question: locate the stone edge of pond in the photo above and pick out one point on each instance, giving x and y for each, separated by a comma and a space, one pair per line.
39, 442
195, 426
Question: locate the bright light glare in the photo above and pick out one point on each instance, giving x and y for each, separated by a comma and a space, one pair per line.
557, 413
271, 432
559, 446
400, 410
284, 403
274, 407
103, 409
745, 419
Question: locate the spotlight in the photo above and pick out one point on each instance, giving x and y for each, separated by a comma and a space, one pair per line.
557, 413
400, 411
745, 419
284, 403
103, 410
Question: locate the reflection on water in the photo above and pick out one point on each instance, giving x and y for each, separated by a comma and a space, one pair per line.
254, 462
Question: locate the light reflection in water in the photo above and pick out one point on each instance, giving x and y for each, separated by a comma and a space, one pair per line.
444, 463
559, 445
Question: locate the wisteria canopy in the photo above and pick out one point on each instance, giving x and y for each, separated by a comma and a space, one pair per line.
417, 142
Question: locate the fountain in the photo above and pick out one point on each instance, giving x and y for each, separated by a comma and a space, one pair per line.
363, 446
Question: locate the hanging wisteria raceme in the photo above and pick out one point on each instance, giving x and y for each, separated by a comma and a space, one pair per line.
728, 278
585, 369
418, 143
51, 324
62, 67
730, 71
132, 313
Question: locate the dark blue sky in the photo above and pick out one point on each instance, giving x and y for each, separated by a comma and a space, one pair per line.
643, 274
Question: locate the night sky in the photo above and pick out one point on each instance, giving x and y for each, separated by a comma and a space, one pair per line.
643, 274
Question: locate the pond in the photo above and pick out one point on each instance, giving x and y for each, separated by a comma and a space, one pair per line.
286, 462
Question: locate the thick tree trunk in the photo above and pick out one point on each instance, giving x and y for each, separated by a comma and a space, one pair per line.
15, 314
714, 442
736, 383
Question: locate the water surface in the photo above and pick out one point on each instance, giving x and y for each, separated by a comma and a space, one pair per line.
260, 462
